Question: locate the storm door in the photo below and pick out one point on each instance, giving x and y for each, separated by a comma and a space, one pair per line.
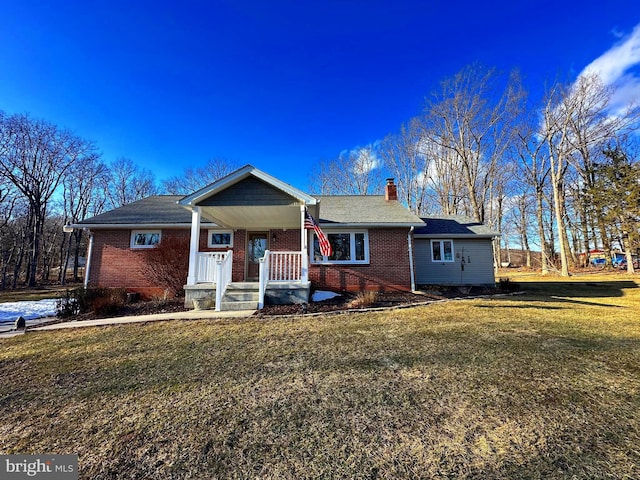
257, 244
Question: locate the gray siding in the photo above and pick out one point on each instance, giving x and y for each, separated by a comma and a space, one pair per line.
250, 191
478, 263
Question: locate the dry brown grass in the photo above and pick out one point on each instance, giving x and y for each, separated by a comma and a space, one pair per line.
363, 299
540, 385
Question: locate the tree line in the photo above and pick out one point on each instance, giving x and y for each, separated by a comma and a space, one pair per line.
50, 177
558, 175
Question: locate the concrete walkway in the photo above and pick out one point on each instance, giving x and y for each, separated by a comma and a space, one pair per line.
190, 315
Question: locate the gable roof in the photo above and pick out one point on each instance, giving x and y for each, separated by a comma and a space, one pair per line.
242, 174
249, 196
339, 210
454, 226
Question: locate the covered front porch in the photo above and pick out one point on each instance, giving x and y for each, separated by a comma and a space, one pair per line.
282, 279
258, 251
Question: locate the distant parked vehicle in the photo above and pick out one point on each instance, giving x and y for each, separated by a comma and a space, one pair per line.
622, 263
598, 262
617, 258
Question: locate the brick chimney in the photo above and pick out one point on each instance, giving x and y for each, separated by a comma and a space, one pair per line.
390, 191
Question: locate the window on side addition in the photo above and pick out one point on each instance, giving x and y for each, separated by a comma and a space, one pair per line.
442, 251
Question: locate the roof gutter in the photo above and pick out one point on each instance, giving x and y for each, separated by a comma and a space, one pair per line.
455, 235
110, 226
330, 225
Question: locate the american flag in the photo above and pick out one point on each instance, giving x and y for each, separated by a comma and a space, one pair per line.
310, 223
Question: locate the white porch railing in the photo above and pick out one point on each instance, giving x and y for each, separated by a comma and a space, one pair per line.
281, 267
207, 265
223, 277
285, 266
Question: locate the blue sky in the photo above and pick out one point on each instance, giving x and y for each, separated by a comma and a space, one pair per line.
279, 84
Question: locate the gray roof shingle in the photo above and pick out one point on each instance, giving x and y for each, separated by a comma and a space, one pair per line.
454, 225
364, 210
153, 210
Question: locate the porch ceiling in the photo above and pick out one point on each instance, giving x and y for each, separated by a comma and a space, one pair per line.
254, 217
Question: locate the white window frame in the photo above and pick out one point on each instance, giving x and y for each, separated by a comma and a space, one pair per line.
134, 233
442, 242
352, 246
210, 244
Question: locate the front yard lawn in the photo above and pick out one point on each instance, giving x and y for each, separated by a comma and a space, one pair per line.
539, 385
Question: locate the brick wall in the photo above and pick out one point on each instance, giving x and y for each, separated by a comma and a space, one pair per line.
115, 264
388, 267
285, 240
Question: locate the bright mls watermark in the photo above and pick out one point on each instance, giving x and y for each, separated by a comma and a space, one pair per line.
51, 467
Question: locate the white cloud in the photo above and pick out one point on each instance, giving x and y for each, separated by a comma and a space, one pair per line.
365, 159
616, 67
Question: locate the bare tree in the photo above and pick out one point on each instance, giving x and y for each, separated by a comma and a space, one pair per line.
8, 203
79, 195
556, 120
534, 171
8, 199
407, 158
576, 120
593, 125
446, 187
472, 116
35, 155
127, 183
193, 180
520, 217
354, 172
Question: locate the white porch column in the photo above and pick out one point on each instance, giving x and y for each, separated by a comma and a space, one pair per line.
194, 245
304, 237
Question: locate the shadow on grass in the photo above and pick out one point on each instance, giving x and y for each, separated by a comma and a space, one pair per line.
578, 289
524, 306
571, 292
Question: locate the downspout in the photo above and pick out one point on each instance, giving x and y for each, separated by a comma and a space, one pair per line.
412, 273
87, 268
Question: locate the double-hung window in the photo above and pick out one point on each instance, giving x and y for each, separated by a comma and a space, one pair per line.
347, 247
442, 251
145, 238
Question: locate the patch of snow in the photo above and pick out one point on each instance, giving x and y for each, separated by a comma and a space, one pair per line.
30, 310
320, 295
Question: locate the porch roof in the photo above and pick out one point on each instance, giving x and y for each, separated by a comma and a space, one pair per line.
251, 198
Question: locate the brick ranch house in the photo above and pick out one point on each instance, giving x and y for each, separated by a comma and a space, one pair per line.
248, 243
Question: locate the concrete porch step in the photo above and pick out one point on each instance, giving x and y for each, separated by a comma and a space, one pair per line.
243, 286
228, 306
240, 296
